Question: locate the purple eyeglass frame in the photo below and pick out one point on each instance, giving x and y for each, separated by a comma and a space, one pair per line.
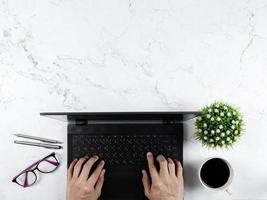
31, 169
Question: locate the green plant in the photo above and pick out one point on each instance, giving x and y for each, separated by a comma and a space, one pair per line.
220, 125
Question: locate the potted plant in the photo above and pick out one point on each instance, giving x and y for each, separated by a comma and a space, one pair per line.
220, 125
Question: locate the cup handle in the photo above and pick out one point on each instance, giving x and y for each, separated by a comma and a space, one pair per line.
229, 191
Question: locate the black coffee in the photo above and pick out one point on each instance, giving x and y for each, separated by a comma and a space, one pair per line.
215, 173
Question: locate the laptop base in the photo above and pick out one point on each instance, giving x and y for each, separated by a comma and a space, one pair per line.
124, 148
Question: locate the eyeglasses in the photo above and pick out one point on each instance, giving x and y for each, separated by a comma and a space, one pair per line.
28, 177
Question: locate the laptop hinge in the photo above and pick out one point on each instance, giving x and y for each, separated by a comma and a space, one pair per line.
81, 122
84, 122
169, 121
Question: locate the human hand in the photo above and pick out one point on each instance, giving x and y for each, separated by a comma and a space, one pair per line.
79, 186
167, 184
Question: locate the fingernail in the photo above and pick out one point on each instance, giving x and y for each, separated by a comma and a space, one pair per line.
149, 154
104, 171
102, 162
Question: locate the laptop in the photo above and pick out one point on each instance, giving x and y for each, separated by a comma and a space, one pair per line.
122, 140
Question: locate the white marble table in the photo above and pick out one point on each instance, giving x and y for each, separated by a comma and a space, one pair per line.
135, 55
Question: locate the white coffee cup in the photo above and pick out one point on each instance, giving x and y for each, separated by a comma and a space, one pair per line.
228, 182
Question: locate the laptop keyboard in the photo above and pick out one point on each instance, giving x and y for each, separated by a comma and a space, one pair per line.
124, 149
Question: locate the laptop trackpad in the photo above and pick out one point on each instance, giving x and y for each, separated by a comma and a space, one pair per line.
123, 185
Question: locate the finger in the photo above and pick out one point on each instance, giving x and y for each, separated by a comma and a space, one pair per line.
87, 167
78, 166
146, 183
179, 169
100, 182
94, 177
71, 167
171, 167
163, 165
152, 169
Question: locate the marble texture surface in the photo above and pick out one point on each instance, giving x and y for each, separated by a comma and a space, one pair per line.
132, 55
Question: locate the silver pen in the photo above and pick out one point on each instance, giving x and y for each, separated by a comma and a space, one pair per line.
48, 146
38, 138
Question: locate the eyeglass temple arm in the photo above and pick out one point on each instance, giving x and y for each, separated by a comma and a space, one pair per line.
25, 184
52, 162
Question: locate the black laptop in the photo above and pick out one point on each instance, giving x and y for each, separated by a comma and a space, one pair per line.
122, 140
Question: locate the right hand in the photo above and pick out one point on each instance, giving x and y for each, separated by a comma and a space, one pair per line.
167, 184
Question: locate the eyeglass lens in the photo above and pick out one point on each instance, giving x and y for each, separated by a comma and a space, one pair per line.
26, 179
49, 164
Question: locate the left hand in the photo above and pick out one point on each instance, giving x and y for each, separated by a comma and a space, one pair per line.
79, 186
